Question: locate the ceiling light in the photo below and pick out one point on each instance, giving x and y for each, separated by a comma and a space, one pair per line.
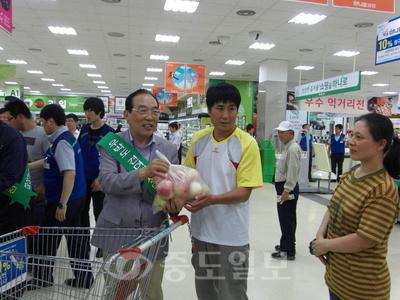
380, 84
94, 75
148, 84
246, 13
306, 50
119, 54
65, 89
47, 79
35, 49
215, 43
17, 62
369, 73
308, 19
99, 82
182, 6
167, 38
347, 53
34, 92
150, 78
305, 68
1, 48
105, 91
159, 57
102, 87
116, 34
364, 25
34, 72
390, 93
262, 46
62, 30
77, 52
87, 66
235, 62
217, 73
154, 70
11, 82
27, 88
57, 84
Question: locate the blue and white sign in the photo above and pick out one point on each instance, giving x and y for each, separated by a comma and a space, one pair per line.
12, 264
388, 42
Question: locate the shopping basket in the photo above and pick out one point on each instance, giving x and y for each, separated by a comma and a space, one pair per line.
36, 261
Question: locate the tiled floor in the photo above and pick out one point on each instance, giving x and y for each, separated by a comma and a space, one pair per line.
270, 279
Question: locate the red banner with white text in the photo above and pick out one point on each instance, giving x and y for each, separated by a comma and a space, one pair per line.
375, 5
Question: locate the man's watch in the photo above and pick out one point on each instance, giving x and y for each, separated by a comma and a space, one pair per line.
60, 205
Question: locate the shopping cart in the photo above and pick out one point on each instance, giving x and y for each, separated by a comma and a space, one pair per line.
35, 262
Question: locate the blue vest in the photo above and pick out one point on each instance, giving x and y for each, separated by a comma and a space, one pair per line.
337, 146
89, 152
303, 142
53, 181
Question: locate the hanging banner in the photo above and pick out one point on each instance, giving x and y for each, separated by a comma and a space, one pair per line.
388, 42
323, 2
7, 71
105, 101
375, 5
165, 99
119, 104
6, 15
331, 86
184, 78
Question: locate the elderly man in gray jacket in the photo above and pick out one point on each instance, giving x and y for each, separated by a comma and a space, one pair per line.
128, 202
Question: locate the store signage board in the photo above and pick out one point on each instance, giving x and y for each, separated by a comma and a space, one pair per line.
323, 2
184, 78
375, 5
335, 85
6, 16
388, 42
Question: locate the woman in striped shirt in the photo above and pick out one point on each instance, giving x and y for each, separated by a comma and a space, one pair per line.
352, 240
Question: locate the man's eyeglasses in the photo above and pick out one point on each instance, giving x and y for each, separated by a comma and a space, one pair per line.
9, 119
144, 112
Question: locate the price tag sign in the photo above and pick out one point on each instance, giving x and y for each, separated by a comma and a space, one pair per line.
388, 42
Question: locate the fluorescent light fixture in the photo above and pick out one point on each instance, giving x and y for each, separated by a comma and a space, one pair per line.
308, 19
390, 93
105, 91
347, 53
148, 84
48, 79
154, 70
99, 82
27, 88
94, 75
57, 84
77, 52
37, 92
34, 72
235, 62
167, 38
304, 68
11, 82
182, 6
262, 46
380, 84
1, 48
159, 57
62, 30
87, 66
150, 78
65, 89
217, 73
102, 87
17, 62
369, 73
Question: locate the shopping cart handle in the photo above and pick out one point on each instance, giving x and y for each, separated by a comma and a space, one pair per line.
184, 219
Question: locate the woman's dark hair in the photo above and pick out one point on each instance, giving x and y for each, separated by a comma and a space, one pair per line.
129, 99
381, 128
96, 105
222, 92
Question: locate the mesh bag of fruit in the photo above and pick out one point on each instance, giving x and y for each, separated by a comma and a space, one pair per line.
180, 184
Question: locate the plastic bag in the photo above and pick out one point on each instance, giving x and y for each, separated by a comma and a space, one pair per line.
181, 184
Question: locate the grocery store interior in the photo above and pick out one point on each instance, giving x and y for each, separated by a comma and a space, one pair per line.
64, 51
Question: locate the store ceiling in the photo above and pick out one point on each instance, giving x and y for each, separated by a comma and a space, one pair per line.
122, 61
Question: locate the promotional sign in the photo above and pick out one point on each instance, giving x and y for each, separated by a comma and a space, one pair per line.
388, 42
13, 90
331, 86
184, 78
375, 5
324, 2
165, 99
7, 71
105, 101
68, 103
335, 104
6, 15
119, 104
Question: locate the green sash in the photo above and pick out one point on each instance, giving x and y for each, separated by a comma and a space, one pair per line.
21, 192
127, 156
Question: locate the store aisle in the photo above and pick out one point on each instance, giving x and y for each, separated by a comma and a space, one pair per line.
270, 279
